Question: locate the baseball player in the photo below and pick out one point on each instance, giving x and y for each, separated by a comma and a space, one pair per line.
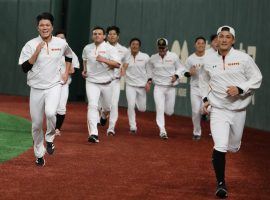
214, 44
134, 68
232, 76
99, 61
193, 65
61, 110
40, 58
113, 39
164, 68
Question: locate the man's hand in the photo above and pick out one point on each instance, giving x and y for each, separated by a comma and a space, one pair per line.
205, 108
40, 46
64, 78
192, 71
84, 73
101, 59
232, 91
174, 78
148, 86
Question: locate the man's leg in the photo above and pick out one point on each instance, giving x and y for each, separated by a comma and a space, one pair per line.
36, 104
131, 100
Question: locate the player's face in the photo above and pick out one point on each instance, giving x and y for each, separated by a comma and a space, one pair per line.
200, 45
98, 36
214, 43
112, 37
61, 35
225, 40
135, 47
45, 28
162, 51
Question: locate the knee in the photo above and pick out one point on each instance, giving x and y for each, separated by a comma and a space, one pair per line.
50, 114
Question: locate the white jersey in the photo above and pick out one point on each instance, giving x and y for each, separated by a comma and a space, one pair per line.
235, 69
161, 70
197, 62
121, 51
45, 72
98, 72
136, 74
210, 50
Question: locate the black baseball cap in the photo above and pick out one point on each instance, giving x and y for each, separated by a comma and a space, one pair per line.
162, 42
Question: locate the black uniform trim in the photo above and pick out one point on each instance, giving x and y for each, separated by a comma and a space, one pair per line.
67, 59
26, 66
187, 74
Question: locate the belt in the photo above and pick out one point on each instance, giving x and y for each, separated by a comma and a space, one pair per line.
106, 83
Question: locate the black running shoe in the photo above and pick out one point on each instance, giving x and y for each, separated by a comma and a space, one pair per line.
40, 162
93, 139
222, 191
103, 121
196, 137
50, 148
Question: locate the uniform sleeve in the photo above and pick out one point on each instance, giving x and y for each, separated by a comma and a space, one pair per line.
68, 51
125, 58
254, 77
26, 53
188, 64
84, 54
114, 55
75, 61
149, 68
204, 79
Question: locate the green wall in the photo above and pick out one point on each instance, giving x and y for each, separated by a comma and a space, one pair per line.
179, 21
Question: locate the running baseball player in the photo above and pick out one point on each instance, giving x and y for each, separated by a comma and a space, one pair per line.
214, 44
164, 68
193, 65
61, 110
113, 33
40, 58
99, 61
232, 76
134, 68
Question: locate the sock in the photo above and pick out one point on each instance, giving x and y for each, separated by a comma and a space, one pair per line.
59, 121
219, 161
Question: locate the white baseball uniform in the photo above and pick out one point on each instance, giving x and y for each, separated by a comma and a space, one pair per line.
98, 81
136, 78
61, 109
116, 90
228, 113
195, 96
161, 71
44, 79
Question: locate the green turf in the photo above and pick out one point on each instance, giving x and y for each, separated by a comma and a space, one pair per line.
15, 136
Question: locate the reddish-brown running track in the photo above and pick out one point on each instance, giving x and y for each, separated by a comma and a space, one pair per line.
133, 167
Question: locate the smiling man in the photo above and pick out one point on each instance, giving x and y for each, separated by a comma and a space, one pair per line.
99, 61
40, 58
229, 80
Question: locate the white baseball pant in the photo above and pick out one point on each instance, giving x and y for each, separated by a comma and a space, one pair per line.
61, 109
227, 129
43, 101
164, 97
114, 105
196, 107
94, 91
135, 96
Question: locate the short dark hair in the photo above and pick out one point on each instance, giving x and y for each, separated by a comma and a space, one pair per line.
212, 37
200, 38
45, 15
135, 39
61, 31
98, 28
113, 28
